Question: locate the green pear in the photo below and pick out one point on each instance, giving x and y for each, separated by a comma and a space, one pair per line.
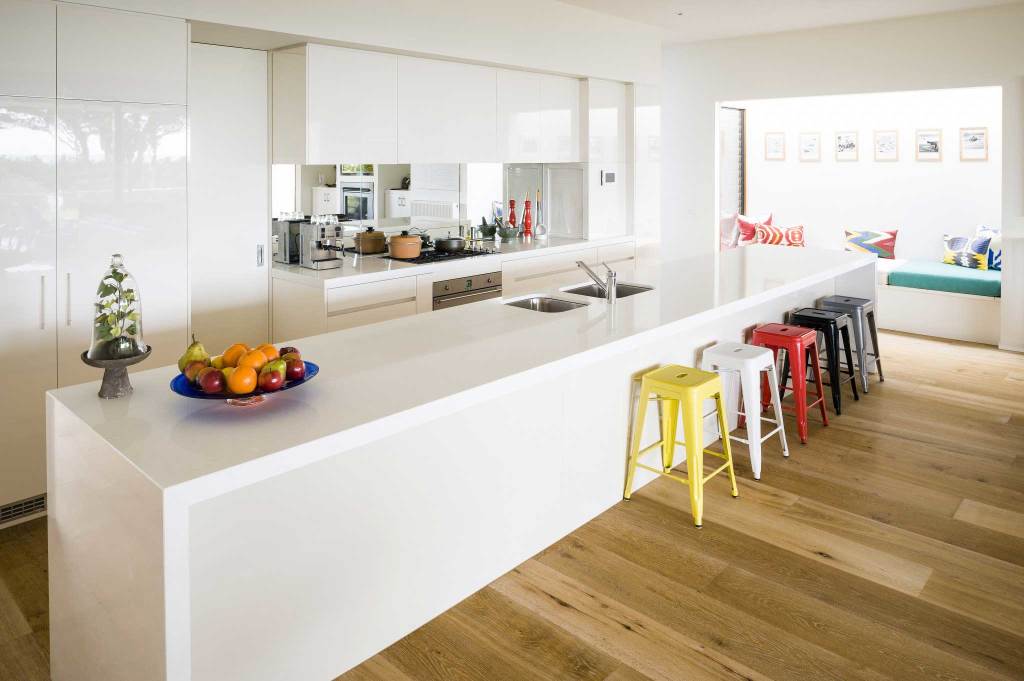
194, 353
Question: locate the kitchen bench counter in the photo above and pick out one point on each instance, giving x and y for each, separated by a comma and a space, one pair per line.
432, 454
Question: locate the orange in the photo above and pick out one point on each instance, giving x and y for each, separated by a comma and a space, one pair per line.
270, 351
253, 359
242, 380
234, 353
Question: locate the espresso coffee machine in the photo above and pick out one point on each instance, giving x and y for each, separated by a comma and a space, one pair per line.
320, 246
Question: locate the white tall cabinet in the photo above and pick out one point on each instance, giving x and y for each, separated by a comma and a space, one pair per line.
229, 263
538, 117
610, 158
92, 162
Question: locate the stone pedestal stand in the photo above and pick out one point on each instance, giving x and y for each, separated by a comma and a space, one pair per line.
115, 373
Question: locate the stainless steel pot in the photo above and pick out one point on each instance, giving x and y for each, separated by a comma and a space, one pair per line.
450, 244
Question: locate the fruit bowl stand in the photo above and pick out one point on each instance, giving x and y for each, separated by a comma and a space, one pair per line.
115, 373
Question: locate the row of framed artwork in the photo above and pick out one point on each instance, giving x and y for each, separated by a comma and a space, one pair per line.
927, 145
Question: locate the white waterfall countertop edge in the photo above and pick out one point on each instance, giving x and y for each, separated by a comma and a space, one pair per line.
365, 269
381, 379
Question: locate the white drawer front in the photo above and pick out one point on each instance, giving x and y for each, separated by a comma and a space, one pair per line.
351, 299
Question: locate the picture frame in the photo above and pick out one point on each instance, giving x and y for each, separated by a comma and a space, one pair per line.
847, 146
809, 147
928, 144
974, 144
887, 145
775, 146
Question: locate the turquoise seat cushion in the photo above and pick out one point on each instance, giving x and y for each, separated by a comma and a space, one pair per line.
938, 276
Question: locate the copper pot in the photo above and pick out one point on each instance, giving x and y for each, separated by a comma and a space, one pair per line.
370, 241
405, 247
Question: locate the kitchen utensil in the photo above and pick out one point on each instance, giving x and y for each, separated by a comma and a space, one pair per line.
450, 244
186, 388
370, 242
405, 246
487, 231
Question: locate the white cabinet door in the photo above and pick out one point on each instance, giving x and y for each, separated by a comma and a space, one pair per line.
28, 334
559, 119
28, 48
607, 113
121, 186
447, 111
288, 107
229, 263
351, 306
352, 106
398, 203
120, 56
326, 200
545, 272
519, 120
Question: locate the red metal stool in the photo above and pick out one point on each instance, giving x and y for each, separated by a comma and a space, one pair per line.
798, 342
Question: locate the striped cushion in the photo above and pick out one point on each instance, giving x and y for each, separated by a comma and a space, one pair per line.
882, 244
748, 228
967, 251
780, 236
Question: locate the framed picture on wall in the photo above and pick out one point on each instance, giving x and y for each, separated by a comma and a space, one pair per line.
887, 145
846, 146
775, 146
928, 145
810, 146
973, 144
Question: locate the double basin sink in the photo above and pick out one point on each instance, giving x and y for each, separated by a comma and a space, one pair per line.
549, 304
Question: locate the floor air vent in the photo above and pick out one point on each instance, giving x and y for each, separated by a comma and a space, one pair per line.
22, 509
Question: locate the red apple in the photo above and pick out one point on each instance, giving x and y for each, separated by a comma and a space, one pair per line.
295, 369
288, 348
271, 381
290, 355
192, 370
211, 381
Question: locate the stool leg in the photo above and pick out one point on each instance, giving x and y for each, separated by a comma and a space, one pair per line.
669, 419
634, 447
832, 360
849, 361
821, 389
858, 339
751, 404
726, 445
874, 345
777, 401
693, 433
800, 392
785, 375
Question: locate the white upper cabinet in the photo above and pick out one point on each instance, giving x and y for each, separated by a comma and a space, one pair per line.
117, 56
607, 121
28, 48
519, 116
559, 119
352, 106
447, 111
288, 107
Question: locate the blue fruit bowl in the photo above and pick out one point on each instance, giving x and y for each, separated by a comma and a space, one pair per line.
186, 388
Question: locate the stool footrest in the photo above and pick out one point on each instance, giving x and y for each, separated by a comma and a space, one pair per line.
747, 442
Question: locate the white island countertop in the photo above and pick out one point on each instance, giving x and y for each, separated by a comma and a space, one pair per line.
364, 269
376, 380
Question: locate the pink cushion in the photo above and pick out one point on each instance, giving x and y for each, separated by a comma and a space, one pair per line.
780, 236
748, 228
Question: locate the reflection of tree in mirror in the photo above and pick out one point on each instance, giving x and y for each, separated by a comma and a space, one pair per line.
26, 175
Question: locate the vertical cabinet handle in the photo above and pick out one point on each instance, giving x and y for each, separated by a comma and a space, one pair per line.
42, 302
259, 255
67, 301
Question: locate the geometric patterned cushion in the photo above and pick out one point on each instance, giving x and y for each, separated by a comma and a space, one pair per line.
995, 247
882, 244
967, 251
780, 236
748, 228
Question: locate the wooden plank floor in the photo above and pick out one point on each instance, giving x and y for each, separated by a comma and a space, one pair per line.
889, 547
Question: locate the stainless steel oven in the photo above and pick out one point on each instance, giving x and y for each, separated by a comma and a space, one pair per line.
465, 290
357, 200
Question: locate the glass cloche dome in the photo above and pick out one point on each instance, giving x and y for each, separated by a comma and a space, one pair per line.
117, 324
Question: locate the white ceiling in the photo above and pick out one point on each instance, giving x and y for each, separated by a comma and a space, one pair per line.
711, 19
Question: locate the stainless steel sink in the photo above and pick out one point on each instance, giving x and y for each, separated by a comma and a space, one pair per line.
546, 304
621, 290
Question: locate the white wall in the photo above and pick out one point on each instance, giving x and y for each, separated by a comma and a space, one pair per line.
538, 34
924, 200
956, 49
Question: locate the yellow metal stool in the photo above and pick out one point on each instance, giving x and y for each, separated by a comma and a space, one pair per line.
684, 389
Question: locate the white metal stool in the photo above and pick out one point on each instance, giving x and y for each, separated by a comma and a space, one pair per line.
751, 363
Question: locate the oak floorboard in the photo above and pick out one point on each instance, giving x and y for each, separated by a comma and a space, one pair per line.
991, 517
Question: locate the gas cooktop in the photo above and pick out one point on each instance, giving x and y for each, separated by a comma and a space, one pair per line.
431, 256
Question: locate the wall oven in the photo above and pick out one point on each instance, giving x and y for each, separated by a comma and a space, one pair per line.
465, 290
357, 200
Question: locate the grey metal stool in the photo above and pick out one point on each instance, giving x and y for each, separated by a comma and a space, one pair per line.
862, 314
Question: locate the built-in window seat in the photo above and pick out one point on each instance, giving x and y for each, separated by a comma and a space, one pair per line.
936, 299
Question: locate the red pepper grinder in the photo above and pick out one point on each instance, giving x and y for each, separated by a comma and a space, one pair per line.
527, 219
512, 213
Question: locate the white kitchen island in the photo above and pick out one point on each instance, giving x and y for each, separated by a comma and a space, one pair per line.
433, 453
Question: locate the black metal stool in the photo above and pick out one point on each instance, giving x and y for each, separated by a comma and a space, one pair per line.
832, 325
862, 314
